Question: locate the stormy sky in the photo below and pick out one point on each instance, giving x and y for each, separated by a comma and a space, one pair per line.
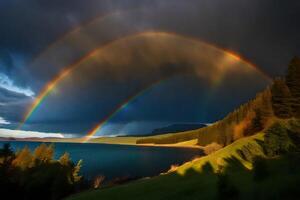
163, 61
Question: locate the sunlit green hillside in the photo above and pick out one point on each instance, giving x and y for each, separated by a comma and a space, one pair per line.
248, 168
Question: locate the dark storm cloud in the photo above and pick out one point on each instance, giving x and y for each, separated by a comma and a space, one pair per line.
6, 61
265, 32
30, 25
9, 97
12, 105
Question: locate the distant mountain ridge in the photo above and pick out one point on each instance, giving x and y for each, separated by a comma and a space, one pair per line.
175, 128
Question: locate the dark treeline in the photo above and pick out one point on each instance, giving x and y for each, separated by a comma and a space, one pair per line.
280, 100
37, 175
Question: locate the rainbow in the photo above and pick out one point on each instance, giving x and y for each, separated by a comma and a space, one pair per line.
43, 94
50, 86
54, 82
77, 29
69, 69
119, 108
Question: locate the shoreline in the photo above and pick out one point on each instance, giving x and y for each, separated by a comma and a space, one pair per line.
108, 143
152, 145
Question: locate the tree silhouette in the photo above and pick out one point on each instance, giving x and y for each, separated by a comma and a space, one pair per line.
281, 99
293, 82
37, 175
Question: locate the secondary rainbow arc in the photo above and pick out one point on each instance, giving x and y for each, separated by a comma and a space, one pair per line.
69, 69
64, 36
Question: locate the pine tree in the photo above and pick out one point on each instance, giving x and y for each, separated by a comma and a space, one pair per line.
50, 152
281, 99
277, 140
76, 171
266, 106
24, 159
256, 123
44, 153
293, 82
65, 159
40, 152
6, 155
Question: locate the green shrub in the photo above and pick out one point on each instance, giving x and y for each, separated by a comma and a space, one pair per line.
277, 140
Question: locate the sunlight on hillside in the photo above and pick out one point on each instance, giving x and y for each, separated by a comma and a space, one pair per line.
217, 159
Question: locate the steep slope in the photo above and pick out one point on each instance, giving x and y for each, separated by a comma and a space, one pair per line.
242, 170
247, 120
237, 149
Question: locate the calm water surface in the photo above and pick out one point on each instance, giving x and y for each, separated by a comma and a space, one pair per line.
114, 161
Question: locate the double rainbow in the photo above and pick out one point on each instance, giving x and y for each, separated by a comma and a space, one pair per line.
69, 69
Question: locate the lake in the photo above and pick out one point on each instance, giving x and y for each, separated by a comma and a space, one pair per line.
119, 161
